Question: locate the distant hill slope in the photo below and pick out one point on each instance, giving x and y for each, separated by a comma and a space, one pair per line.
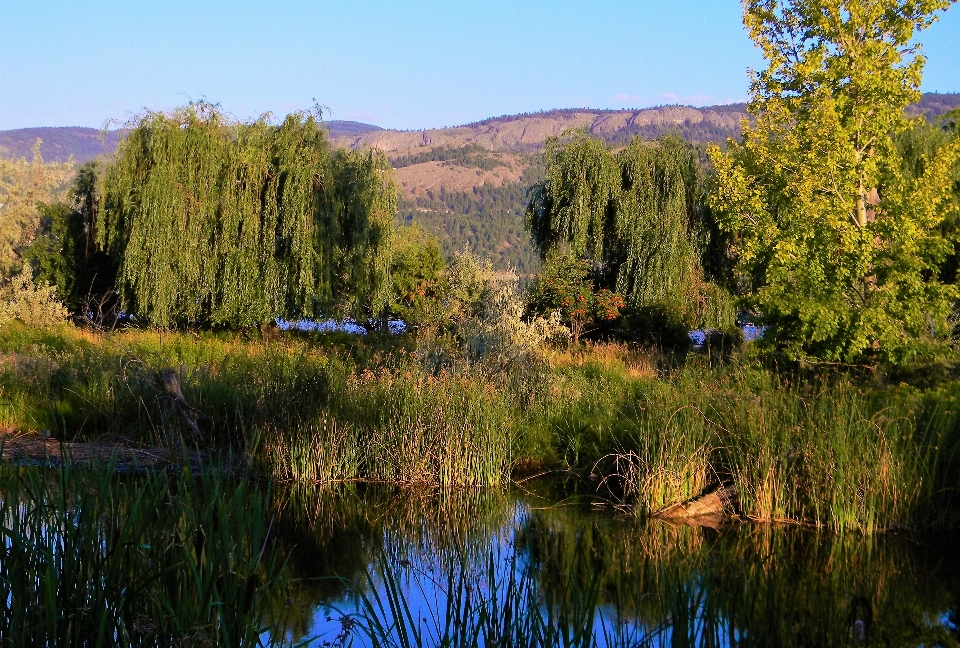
349, 128
59, 143
507, 134
527, 133
934, 104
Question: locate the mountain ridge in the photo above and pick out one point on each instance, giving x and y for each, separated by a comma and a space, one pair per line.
519, 133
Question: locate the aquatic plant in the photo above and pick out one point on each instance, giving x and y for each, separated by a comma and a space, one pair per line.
101, 559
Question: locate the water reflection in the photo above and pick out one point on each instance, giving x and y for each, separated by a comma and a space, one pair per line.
545, 557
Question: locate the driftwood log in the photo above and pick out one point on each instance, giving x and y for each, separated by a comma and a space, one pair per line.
710, 509
175, 402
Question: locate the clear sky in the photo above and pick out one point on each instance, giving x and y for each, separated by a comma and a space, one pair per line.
394, 63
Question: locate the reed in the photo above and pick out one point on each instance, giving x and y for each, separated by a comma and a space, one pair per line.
830, 450
830, 454
101, 559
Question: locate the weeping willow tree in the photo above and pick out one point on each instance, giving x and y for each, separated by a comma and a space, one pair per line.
235, 224
637, 215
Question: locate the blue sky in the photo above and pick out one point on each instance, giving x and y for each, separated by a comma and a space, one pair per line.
398, 64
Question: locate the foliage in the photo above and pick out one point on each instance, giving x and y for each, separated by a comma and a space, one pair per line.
502, 337
665, 329
840, 246
469, 285
917, 146
32, 304
355, 231
637, 215
483, 319
415, 271
563, 284
22, 185
235, 224
65, 253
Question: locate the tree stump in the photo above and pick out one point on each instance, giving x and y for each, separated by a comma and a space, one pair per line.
177, 404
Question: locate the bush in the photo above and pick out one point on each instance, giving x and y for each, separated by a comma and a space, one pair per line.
661, 327
31, 304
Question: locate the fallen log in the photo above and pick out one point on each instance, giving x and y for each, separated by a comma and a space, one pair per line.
713, 507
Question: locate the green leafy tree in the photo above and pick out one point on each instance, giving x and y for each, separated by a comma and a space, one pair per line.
840, 247
229, 224
65, 254
416, 275
636, 215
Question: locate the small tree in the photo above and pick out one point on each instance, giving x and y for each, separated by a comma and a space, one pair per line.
32, 304
23, 185
415, 273
840, 247
65, 253
564, 285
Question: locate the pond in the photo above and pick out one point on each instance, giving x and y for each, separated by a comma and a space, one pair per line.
544, 565
168, 558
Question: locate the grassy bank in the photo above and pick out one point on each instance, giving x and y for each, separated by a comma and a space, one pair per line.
829, 451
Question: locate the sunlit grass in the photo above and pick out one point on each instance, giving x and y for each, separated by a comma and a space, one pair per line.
829, 450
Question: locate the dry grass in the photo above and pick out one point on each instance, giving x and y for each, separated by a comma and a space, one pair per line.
635, 362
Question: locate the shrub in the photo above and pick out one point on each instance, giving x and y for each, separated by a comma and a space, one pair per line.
31, 304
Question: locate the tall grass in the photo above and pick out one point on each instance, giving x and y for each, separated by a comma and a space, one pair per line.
826, 451
100, 559
400, 428
829, 454
302, 412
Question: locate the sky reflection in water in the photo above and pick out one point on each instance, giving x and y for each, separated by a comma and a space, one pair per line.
646, 582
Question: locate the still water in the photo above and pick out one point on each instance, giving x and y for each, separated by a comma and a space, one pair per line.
543, 565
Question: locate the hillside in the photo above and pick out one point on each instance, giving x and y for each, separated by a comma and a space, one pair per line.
468, 184
526, 133
58, 144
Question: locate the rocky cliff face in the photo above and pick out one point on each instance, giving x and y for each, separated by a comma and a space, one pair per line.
527, 133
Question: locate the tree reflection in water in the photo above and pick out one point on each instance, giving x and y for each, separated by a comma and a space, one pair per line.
491, 568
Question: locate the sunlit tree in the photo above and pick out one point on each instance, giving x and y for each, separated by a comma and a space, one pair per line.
229, 224
841, 245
